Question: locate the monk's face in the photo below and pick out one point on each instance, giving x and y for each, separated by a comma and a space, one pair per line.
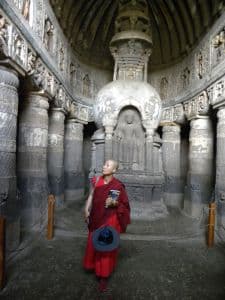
109, 167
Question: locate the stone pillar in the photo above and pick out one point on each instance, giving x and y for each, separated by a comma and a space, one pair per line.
98, 140
220, 168
9, 205
108, 142
73, 160
172, 165
32, 160
149, 151
56, 154
200, 174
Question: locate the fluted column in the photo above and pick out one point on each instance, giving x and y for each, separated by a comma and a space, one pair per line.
56, 154
9, 205
220, 167
172, 165
73, 160
32, 159
200, 173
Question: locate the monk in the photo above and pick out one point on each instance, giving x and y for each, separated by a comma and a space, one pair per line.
101, 209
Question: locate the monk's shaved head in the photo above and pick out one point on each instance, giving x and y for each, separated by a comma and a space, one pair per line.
110, 167
115, 163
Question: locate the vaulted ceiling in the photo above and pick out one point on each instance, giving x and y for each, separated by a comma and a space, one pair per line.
176, 27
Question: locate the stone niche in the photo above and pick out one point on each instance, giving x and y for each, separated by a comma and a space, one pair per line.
128, 114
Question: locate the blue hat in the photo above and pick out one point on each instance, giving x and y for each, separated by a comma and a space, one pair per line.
105, 239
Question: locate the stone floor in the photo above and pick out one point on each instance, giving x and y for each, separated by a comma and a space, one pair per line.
165, 261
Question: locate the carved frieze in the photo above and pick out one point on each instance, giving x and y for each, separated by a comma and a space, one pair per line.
173, 114
198, 106
216, 93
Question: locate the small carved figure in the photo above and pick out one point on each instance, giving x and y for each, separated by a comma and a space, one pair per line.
18, 47
31, 58
61, 59
86, 86
26, 9
3, 32
185, 77
163, 88
200, 65
48, 34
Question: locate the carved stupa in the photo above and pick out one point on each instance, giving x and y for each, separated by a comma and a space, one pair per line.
128, 110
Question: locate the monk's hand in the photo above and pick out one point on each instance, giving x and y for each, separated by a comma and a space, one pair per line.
109, 202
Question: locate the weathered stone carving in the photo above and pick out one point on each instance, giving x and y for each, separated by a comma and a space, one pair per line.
185, 77
83, 113
59, 100
197, 106
61, 59
200, 65
39, 21
218, 47
86, 86
19, 48
163, 88
31, 59
48, 34
3, 36
167, 115
216, 93
72, 74
26, 9
129, 140
173, 114
38, 74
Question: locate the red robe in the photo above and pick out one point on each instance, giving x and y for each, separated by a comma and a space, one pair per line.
118, 217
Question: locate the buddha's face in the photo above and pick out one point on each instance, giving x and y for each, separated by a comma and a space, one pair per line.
129, 117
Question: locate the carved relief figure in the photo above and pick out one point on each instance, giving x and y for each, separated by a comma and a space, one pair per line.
61, 59
86, 86
72, 73
200, 65
26, 9
31, 58
185, 76
3, 31
163, 88
48, 34
129, 141
19, 48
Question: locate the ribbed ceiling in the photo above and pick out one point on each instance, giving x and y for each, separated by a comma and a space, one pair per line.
176, 27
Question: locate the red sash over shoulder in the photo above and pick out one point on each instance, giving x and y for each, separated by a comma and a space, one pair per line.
99, 214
